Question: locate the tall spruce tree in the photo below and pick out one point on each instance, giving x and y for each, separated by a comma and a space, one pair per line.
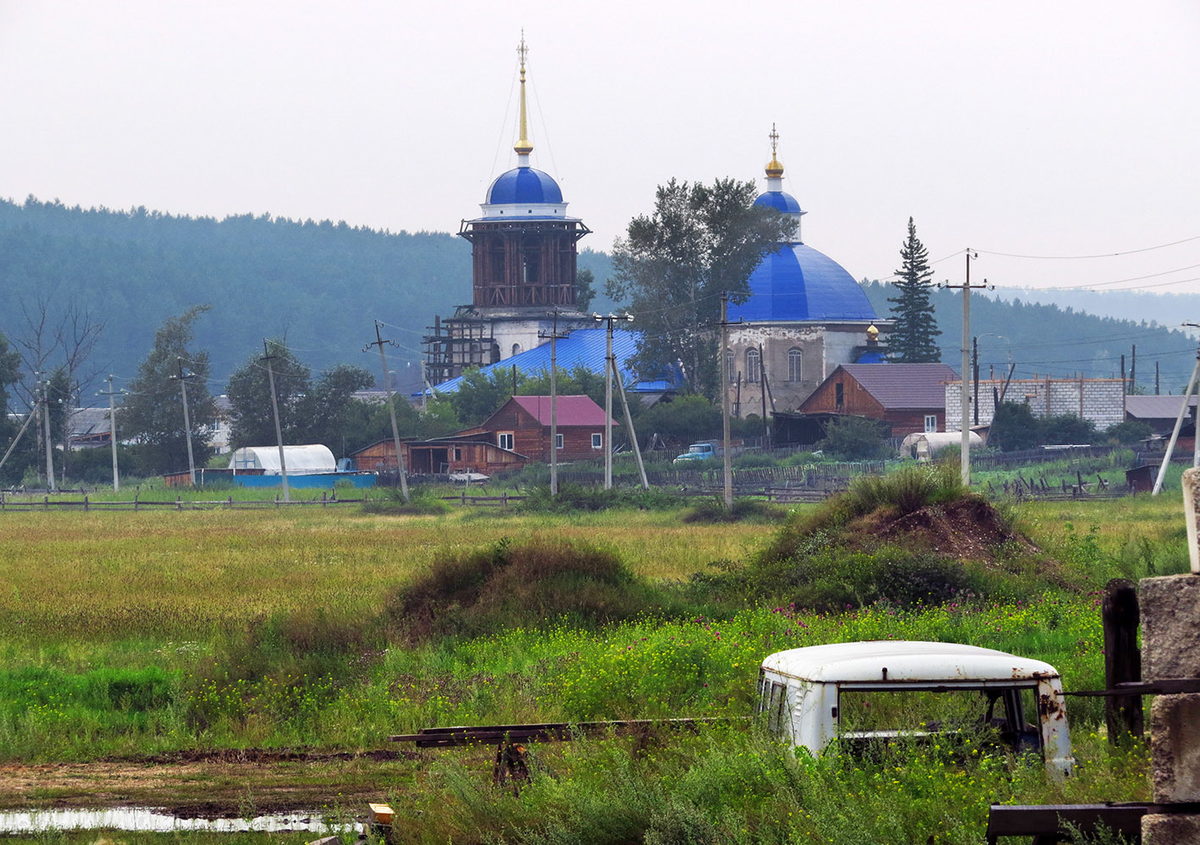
913, 338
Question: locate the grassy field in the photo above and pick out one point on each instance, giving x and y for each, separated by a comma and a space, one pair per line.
184, 636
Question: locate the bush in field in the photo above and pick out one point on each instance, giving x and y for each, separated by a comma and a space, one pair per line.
511, 586
572, 498
390, 500
830, 578
713, 511
855, 439
907, 490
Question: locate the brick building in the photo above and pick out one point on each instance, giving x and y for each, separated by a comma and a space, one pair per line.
1100, 400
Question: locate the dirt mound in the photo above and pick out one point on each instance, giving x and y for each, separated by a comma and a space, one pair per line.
967, 528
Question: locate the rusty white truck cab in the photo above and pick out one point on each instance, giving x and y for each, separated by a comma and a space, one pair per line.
862, 692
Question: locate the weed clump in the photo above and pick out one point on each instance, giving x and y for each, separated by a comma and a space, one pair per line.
713, 510
517, 586
392, 502
573, 498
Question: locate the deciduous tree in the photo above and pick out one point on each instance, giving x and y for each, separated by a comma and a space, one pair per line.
152, 413
673, 265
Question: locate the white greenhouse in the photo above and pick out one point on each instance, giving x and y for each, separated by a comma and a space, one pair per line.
308, 460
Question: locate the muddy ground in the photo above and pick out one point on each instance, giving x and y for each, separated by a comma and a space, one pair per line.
221, 784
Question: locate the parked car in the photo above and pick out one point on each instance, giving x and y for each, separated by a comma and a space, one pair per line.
706, 449
866, 692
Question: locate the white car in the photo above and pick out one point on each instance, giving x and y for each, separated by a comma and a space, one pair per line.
816, 695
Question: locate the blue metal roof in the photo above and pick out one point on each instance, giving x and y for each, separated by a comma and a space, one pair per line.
871, 357
798, 284
523, 185
782, 202
582, 347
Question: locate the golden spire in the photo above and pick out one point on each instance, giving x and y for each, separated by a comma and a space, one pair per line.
774, 168
523, 147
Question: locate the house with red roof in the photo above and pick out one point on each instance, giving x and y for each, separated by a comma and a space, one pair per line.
522, 425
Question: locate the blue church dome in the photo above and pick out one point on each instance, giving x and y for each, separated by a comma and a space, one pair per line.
522, 186
796, 283
782, 202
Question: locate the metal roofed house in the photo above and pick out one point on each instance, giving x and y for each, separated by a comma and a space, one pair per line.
1160, 412
522, 425
810, 695
908, 397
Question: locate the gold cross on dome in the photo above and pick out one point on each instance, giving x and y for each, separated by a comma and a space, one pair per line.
774, 136
522, 50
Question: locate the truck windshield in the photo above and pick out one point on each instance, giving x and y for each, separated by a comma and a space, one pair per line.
870, 713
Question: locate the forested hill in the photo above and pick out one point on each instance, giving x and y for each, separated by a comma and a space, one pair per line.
321, 284
1045, 339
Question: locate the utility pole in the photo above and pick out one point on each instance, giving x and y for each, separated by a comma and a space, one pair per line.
1183, 409
50, 484
975, 375
727, 460
387, 383
553, 336
187, 422
965, 287
637, 450
268, 357
1133, 370
112, 429
610, 372
1155, 378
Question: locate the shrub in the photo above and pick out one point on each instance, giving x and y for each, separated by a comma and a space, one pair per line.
713, 510
906, 490
578, 497
509, 586
391, 502
854, 439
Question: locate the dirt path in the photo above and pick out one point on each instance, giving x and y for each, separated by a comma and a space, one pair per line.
212, 784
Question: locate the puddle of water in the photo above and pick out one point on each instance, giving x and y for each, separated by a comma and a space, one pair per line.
151, 819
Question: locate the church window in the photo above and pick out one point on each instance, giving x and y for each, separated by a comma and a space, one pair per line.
753, 366
795, 365
516, 349
729, 367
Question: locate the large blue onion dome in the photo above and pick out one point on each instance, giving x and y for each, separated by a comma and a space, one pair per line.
523, 185
796, 283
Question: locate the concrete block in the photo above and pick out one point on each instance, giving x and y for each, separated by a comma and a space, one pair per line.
1170, 830
1170, 627
1175, 748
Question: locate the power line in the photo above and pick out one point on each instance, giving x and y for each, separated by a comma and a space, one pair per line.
1099, 255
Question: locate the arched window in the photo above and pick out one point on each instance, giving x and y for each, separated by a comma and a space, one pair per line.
795, 365
516, 349
753, 366
730, 368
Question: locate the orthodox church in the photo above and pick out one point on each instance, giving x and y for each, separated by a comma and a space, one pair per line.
805, 316
523, 265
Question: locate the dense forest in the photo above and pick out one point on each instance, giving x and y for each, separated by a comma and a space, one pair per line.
321, 284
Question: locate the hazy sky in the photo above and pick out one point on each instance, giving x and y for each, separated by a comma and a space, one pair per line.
1036, 128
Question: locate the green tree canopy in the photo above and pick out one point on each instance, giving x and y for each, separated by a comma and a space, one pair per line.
673, 265
152, 413
913, 338
309, 411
